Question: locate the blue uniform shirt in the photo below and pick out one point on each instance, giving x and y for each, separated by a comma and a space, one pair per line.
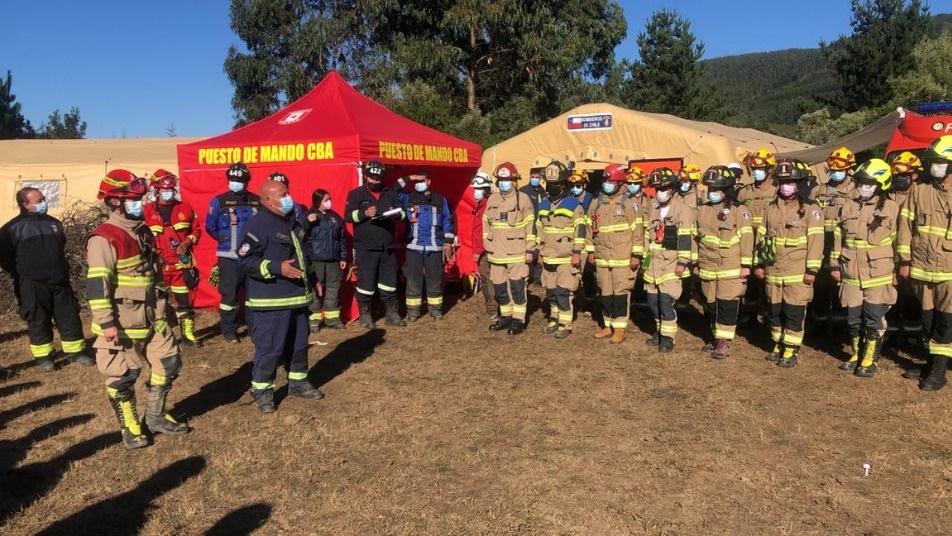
227, 215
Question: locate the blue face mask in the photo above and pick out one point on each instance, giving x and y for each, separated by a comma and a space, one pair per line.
685, 187
41, 207
577, 190
236, 186
420, 186
715, 197
134, 208
634, 188
535, 181
287, 204
505, 186
167, 196
759, 175
608, 187
837, 176
478, 194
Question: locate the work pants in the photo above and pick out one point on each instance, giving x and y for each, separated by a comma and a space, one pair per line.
121, 361
423, 267
788, 309
560, 282
40, 305
936, 299
866, 308
509, 284
722, 304
615, 286
280, 338
376, 271
326, 304
230, 286
661, 300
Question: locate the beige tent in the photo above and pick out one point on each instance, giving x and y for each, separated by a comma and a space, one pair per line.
595, 135
70, 170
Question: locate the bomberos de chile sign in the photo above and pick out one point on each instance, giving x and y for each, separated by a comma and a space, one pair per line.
590, 122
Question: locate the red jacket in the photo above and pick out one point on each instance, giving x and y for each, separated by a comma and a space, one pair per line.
182, 225
478, 248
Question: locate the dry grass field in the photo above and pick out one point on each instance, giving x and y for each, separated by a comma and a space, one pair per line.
446, 428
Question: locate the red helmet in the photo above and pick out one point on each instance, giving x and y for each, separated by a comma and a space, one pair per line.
164, 179
123, 184
614, 173
507, 172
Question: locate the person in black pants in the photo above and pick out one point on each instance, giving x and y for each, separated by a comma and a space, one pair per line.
326, 248
374, 211
32, 250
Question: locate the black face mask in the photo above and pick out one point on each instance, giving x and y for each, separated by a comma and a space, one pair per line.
901, 183
374, 186
555, 191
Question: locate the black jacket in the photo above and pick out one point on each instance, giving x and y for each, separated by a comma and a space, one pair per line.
268, 240
32, 247
376, 234
326, 238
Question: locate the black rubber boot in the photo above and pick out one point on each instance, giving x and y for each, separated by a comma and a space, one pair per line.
654, 340
124, 404
562, 332
516, 327
156, 419
774, 355
264, 401
789, 357
413, 315
305, 390
551, 327
936, 378
366, 319
916, 373
665, 344
393, 317
502, 323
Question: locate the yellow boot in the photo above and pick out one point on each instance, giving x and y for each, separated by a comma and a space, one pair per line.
850, 365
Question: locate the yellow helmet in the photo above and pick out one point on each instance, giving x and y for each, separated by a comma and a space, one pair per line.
940, 149
763, 158
876, 171
578, 176
905, 163
691, 172
634, 175
841, 159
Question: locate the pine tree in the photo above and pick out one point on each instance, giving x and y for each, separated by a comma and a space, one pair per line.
12, 123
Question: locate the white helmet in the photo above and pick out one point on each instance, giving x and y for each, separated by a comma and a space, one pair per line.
481, 180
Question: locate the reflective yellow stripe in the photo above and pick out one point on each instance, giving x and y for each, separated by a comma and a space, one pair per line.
870, 283
558, 260
615, 228
130, 262
263, 269
332, 315
100, 304
157, 379
506, 260
931, 277
612, 263
722, 274
125, 333
156, 229
854, 243
727, 334
279, 302
73, 347
386, 288
263, 386
41, 350
665, 278
784, 279
181, 226
904, 249
414, 302
98, 271
908, 214
297, 376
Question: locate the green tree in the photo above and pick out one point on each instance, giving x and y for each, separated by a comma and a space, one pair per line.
12, 123
820, 127
930, 78
884, 34
290, 46
667, 77
68, 126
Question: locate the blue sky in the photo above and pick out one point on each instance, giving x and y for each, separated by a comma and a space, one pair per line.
134, 68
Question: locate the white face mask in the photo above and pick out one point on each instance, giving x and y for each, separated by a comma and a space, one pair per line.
663, 196
577, 190
866, 190
837, 176
478, 194
326, 205
939, 171
759, 175
167, 196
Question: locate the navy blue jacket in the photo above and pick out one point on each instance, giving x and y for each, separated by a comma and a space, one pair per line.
535, 193
227, 215
269, 240
326, 238
32, 247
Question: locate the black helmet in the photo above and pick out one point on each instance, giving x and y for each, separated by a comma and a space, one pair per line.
375, 169
556, 172
280, 177
662, 178
238, 172
789, 170
719, 178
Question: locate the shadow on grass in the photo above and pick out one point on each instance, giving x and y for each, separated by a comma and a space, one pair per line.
345, 354
242, 521
8, 390
221, 392
10, 335
30, 407
127, 512
13, 451
34, 480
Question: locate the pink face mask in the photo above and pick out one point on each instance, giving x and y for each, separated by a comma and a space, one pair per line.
787, 189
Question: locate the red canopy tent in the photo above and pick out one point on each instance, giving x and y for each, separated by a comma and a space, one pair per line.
318, 141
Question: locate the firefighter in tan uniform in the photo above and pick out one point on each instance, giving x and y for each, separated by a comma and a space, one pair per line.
616, 248
560, 224
755, 197
670, 246
689, 177
906, 315
127, 298
725, 243
510, 241
925, 256
831, 196
863, 262
789, 255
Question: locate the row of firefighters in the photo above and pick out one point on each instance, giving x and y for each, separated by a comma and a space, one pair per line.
876, 237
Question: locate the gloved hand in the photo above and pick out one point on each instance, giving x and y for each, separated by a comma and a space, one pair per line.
215, 277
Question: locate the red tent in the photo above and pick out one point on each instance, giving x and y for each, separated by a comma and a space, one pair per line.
915, 132
318, 141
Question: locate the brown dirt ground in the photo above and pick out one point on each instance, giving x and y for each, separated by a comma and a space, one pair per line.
446, 428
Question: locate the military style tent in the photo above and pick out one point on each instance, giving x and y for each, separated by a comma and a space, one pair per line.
595, 135
318, 141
